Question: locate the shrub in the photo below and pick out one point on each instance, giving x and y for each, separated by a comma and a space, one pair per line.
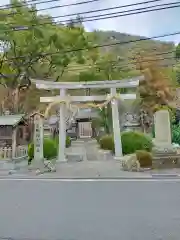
98, 138
176, 134
68, 141
101, 135
153, 131
107, 142
50, 149
131, 141
144, 158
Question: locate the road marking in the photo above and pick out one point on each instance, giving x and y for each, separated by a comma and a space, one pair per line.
93, 180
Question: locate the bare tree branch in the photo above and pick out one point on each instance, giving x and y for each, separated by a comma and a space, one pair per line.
62, 72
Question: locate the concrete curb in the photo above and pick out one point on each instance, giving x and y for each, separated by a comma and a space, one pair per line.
148, 177
167, 175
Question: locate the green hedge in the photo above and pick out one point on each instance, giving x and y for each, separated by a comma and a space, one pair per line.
131, 141
50, 149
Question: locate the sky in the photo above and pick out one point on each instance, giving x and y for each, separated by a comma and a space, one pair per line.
146, 24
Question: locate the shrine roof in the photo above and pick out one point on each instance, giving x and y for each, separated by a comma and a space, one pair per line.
11, 120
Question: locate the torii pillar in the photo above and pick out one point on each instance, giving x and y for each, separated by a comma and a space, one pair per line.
62, 128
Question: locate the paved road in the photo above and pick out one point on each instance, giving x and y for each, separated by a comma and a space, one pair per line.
126, 210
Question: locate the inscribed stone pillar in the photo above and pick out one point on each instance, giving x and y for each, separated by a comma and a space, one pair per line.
38, 140
116, 126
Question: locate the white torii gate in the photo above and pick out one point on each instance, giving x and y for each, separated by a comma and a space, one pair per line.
63, 86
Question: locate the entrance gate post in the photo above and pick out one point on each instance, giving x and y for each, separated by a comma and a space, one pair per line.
62, 128
116, 126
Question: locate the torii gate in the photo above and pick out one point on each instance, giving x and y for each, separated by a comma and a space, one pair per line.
63, 98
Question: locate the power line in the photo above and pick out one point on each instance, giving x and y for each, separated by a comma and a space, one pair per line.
120, 43
117, 7
121, 64
100, 46
126, 59
126, 13
115, 65
9, 6
99, 10
53, 7
102, 16
60, 6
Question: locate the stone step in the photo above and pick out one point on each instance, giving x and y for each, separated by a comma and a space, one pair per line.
87, 153
75, 149
77, 143
85, 140
87, 146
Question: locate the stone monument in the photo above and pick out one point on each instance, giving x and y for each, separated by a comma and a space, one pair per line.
163, 139
39, 162
38, 141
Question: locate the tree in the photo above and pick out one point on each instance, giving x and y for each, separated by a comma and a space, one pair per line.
23, 43
32, 45
177, 51
156, 89
89, 75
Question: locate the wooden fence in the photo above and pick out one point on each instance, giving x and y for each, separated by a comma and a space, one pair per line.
6, 153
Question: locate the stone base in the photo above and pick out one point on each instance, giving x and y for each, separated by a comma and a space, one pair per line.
164, 150
47, 166
104, 155
36, 164
118, 158
164, 163
43, 166
165, 156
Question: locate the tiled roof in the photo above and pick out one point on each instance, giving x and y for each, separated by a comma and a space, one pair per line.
10, 120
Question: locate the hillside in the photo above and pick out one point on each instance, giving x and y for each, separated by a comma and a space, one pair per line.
128, 51
125, 53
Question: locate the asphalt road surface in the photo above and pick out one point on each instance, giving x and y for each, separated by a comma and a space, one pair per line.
122, 210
